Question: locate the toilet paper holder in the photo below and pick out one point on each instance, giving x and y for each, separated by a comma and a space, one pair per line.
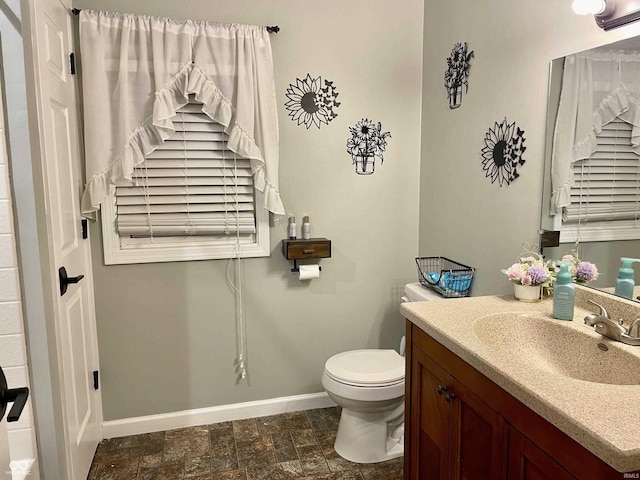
296, 268
299, 249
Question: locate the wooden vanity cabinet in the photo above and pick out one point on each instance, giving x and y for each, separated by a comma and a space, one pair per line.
461, 425
460, 435
526, 461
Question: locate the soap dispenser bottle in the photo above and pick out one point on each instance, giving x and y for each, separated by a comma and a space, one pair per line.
563, 294
626, 281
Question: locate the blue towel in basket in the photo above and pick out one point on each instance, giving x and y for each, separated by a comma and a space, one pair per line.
458, 282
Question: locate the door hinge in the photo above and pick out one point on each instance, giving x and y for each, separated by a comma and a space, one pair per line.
96, 380
85, 228
72, 62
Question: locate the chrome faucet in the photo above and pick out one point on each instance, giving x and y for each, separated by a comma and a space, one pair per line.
616, 331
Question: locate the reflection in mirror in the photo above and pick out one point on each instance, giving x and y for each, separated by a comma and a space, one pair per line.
591, 190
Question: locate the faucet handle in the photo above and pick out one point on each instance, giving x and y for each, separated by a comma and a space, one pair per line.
603, 311
634, 328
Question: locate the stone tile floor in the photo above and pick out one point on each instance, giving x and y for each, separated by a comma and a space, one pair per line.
296, 445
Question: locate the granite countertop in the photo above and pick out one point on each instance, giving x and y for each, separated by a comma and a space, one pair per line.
601, 417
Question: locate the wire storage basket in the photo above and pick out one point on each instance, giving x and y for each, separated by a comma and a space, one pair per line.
447, 277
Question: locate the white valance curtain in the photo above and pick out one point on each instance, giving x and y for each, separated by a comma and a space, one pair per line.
138, 70
597, 87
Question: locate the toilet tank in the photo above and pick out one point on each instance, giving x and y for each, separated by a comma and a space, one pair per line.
414, 292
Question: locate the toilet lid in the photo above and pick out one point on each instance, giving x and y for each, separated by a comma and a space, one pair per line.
367, 366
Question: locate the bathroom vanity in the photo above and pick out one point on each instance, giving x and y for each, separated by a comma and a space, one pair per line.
497, 388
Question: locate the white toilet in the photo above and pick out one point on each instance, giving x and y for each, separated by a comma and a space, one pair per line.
369, 386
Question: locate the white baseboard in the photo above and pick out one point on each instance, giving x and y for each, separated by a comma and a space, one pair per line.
205, 416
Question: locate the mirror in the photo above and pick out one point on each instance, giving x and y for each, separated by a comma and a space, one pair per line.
605, 254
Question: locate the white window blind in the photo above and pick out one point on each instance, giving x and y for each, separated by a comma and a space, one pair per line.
608, 183
190, 185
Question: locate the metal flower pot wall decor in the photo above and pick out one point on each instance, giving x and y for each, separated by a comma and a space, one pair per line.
457, 73
367, 143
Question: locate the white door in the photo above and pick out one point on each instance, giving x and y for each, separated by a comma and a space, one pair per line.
5, 470
60, 157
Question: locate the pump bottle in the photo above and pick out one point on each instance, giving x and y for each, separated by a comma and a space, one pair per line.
563, 294
626, 281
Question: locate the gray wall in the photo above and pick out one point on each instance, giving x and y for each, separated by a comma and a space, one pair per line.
167, 331
462, 214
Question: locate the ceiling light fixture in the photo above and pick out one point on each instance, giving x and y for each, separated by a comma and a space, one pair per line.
588, 7
609, 13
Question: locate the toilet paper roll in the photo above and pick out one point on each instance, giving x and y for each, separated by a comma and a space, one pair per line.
307, 272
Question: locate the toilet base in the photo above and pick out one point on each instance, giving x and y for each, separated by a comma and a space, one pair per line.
370, 438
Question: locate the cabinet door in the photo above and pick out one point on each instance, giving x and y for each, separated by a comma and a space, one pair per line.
528, 462
478, 439
429, 432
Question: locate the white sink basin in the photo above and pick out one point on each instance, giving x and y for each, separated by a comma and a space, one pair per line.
559, 347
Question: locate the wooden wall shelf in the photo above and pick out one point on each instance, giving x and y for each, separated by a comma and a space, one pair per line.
300, 249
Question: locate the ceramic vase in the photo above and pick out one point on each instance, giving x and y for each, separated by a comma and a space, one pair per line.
527, 293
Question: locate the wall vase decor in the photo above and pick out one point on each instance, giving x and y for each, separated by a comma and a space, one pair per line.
365, 164
455, 96
367, 143
502, 152
457, 73
312, 101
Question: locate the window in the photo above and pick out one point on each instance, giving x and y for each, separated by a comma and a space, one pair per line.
605, 200
191, 199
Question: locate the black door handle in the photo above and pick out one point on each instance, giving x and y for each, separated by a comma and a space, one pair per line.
65, 280
16, 395
19, 398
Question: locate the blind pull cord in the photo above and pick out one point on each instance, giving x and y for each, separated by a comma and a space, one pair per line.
580, 203
637, 199
615, 162
147, 200
235, 284
189, 227
241, 321
224, 185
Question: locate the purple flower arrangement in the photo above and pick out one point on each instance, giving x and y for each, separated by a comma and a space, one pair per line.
582, 272
530, 271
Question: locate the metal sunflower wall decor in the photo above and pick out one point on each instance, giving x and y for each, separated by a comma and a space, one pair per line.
457, 73
502, 152
367, 143
312, 101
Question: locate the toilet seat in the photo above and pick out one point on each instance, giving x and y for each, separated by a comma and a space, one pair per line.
367, 368
364, 385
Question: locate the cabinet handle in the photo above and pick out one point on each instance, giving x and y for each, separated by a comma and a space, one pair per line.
308, 251
441, 389
449, 396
